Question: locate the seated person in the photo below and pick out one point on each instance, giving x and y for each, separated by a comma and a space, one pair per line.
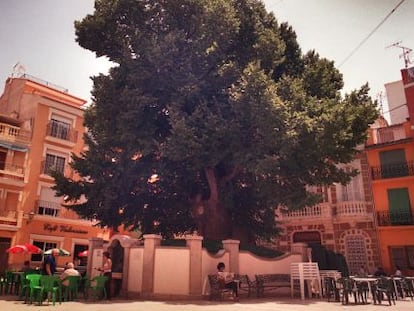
362, 272
227, 278
70, 271
398, 271
380, 272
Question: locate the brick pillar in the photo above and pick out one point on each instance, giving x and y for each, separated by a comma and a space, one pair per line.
232, 247
151, 241
302, 248
194, 243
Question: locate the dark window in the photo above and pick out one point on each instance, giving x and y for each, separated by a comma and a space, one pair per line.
402, 256
59, 129
54, 163
399, 206
393, 163
44, 246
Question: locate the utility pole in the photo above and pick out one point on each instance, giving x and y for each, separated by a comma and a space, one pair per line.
405, 54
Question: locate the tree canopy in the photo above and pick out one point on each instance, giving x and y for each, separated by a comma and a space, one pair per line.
211, 118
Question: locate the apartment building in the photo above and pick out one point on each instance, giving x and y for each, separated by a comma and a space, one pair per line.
41, 124
343, 222
390, 152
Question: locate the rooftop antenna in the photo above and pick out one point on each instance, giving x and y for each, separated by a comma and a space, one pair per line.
406, 52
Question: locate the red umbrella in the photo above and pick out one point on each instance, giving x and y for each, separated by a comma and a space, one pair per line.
85, 253
26, 248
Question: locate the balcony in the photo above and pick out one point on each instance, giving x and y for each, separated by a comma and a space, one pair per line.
322, 210
10, 220
388, 134
386, 218
14, 134
351, 209
393, 170
62, 132
11, 169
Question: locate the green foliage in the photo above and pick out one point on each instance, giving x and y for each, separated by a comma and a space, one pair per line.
211, 118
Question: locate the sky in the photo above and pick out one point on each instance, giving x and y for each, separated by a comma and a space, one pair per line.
39, 35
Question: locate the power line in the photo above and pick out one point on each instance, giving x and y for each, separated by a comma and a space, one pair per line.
370, 34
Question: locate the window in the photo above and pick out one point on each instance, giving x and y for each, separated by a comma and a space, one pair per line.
44, 246
59, 129
399, 206
54, 163
48, 204
351, 191
3, 155
356, 254
393, 163
402, 256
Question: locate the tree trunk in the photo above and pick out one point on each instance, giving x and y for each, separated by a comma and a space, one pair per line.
212, 218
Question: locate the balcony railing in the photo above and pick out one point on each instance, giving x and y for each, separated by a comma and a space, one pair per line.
386, 218
389, 134
13, 133
10, 217
351, 208
11, 168
317, 211
61, 132
393, 170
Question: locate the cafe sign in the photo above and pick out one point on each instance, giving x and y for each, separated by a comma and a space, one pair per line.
62, 228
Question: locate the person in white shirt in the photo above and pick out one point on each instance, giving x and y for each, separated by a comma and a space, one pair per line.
69, 271
227, 278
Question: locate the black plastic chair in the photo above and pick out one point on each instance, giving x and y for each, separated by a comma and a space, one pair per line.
330, 289
384, 287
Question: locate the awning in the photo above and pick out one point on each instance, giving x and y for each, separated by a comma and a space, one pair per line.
13, 146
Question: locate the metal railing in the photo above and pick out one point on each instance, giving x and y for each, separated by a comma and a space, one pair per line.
393, 170
59, 131
387, 218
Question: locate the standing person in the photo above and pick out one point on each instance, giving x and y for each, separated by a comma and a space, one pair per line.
107, 271
228, 279
49, 263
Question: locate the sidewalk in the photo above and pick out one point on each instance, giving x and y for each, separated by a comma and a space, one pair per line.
266, 304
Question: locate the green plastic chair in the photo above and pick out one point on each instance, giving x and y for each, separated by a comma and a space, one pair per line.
70, 291
33, 286
24, 284
50, 288
97, 287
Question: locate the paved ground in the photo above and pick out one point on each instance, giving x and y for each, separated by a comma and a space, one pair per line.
7, 303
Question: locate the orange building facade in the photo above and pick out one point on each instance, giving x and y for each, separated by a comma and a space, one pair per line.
390, 152
40, 126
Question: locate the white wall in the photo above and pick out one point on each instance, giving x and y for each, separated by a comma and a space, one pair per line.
136, 256
250, 264
397, 108
172, 271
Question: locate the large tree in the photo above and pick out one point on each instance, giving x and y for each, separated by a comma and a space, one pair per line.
210, 119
